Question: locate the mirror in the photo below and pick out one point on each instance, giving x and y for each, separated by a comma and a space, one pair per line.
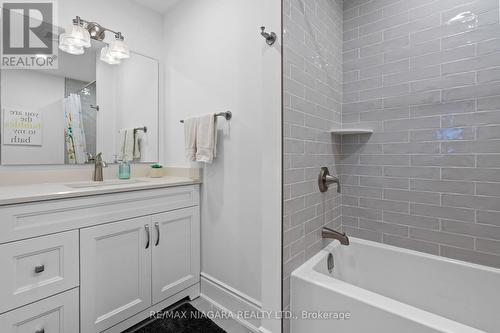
86, 106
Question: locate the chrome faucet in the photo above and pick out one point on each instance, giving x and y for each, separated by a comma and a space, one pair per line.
332, 234
98, 165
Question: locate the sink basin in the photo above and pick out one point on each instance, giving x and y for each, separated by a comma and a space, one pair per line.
116, 182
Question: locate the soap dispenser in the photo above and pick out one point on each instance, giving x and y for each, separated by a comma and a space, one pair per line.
124, 170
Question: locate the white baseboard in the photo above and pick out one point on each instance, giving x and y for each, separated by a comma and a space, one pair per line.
230, 300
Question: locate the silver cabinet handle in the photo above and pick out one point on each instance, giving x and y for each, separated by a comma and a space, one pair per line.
157, 227
147, 234
39, 269
41, 330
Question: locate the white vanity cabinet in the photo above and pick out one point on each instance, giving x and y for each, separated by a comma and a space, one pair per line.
98, 263
128, 266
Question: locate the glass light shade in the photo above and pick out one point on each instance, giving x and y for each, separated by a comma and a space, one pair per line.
76, 35
119, 49
107, 58
71, 49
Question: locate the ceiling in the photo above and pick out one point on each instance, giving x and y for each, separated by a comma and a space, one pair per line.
158, 5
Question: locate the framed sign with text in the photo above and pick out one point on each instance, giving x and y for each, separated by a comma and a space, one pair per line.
22, 127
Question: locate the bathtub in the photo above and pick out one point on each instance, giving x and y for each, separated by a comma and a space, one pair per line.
379, 288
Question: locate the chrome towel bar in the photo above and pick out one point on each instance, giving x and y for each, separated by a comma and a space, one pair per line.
228, 115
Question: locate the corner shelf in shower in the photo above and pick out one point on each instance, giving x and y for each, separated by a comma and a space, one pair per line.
351, 131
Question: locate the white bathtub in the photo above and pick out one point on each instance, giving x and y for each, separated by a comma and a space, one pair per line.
393, 290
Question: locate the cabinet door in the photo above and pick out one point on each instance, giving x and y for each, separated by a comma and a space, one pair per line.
115, 268
176, 252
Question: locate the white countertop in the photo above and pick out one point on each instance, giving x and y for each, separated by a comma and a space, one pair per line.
49, 191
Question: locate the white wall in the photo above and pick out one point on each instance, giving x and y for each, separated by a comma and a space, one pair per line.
216, 60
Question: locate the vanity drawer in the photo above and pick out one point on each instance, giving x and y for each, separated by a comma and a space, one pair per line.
37, 268
22, 221
56, 314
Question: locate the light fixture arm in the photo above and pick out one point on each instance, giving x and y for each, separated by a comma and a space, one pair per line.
79, 21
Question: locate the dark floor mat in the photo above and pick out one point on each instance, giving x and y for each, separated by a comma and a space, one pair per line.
184, 319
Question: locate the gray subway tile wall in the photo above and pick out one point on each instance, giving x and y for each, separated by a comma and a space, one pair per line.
312, 106
427, 73
425, 76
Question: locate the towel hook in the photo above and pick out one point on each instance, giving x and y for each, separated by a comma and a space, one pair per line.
270, 37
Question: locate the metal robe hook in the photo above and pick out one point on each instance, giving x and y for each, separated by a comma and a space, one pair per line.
270, 37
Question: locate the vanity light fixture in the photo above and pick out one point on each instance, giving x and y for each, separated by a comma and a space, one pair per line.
74, 50
118, 49
108, 58
68, 48
77, 37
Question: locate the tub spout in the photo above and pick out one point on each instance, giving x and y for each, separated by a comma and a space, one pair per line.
332, 234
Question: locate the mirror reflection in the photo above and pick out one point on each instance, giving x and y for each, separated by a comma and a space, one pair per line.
91, 103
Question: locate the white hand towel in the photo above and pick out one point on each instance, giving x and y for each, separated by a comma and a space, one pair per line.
190, 137
127, 141
206, 138
137, 146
